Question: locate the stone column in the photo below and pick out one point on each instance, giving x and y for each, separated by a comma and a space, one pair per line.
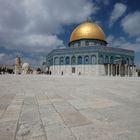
132, 70
125, 70
108, 70
111, 69
119, 70
53, 67
135, 71
116, 70
128, 70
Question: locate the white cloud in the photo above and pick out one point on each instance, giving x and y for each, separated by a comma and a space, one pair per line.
118, 11
138, 39
38, 22
38, 43
121, 42
34, 25
51, 15
131, 24
6, 58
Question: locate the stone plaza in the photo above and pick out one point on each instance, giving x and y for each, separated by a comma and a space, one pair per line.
41, 107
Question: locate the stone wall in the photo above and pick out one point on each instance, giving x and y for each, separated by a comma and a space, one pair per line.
78, 70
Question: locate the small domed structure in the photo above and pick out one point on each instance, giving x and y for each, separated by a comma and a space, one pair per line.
25, 65
25, 68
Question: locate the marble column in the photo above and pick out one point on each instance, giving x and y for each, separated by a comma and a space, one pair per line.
134, 71
119, 70
108, 70
111, 70
125, 70
128, 71
116, 70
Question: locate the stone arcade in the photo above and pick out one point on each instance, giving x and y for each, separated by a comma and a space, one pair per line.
88, 54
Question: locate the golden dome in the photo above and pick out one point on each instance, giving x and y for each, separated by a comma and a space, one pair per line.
87, 30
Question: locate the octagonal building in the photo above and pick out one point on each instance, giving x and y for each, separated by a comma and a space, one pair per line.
88, 54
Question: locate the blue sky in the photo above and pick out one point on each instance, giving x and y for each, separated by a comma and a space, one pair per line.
32, 28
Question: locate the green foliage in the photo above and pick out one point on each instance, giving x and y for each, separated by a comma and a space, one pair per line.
6, 70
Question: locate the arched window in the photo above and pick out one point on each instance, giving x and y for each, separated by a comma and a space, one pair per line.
101, 59
67, 60
51, 61
127, 61
79, 59
106, 60
82, 43
73, 60
93, 59
124, 61
76, 45
131, 61
87, 43
56, 60
111, 60
61, 60
86, 59
91, 43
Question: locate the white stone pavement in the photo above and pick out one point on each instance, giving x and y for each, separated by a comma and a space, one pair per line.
41, 107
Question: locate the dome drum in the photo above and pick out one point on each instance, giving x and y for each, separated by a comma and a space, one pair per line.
87, 42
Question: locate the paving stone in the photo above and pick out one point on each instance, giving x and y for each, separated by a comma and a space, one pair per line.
39, 138
64, 106
18, 99
29, 130
99, 102
1, 112
30, 101
78, 104
70, 115
50, 117
29, 113
45, 108
93, 115
74, 119
55, 98
58, 131
10, 115
42, 99
42, 107
14, 107
89, 132
126, 136
5, 100
8, 130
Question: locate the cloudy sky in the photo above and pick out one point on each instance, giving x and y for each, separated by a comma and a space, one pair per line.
32, 28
